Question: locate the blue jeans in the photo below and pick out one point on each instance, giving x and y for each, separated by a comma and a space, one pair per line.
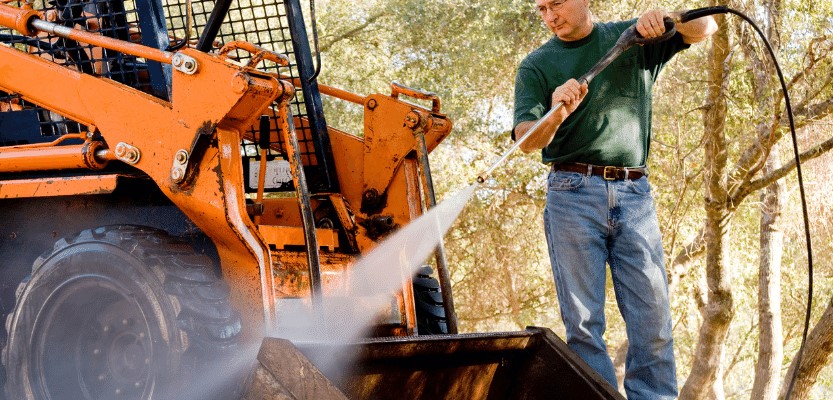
590, 222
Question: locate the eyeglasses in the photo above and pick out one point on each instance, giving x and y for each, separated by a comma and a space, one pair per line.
552, 6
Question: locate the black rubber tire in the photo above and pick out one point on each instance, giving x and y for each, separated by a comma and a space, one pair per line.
122, 312
428, 300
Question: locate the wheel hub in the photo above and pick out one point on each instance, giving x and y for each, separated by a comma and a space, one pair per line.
99, 335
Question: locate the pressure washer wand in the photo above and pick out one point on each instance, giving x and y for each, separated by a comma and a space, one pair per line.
627, 39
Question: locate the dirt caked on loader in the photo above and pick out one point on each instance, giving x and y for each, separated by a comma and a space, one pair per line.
163, 194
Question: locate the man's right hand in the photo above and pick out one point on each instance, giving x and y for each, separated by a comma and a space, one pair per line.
571, 93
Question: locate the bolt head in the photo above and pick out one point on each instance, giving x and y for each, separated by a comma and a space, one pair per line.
239, 83
181, 157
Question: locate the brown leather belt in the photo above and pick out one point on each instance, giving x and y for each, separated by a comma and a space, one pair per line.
609, 173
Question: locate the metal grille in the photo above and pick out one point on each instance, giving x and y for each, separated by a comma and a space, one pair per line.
264, 23
111, 18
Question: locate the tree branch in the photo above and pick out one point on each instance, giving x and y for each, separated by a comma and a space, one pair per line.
779, 173
815, 111
754, 157
682, 262
352, 32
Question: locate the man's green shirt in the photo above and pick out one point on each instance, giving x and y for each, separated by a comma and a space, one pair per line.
612, 125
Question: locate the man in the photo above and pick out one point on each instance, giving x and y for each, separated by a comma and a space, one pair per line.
599, 206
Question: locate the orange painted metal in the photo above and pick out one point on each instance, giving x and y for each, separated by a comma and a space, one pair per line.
398, 88
23, 159
59, 140
216, 104
412, 198
287, 236
58, 186
387, 141
218, 101
17, 19
258, 53
331, 91
28, 22
340, 93
292, 279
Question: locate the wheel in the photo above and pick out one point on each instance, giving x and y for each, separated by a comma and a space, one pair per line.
122, 312
428, 300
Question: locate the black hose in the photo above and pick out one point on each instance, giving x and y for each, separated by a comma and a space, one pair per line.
705, 11
315, 42
626, 40
702, 12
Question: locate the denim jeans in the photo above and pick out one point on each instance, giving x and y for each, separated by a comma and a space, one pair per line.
590, 222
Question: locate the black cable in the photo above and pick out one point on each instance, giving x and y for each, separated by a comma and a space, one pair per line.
315, 42
188, 22
702, 12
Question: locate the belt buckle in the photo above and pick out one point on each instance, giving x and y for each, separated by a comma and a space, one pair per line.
609, 173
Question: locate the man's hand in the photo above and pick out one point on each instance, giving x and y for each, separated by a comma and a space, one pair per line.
650, 24
571, 93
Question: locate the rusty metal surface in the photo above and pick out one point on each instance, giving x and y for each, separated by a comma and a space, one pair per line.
58, 186
204, 105
529, 364
292, 277
282, 372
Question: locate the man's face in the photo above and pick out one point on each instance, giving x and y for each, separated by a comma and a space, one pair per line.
567, 19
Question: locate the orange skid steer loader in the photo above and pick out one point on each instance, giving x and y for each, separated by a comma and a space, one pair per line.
164, 195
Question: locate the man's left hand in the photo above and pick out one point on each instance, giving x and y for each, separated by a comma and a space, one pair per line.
650, 24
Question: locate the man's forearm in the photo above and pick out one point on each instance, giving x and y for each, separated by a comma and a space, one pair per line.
540, 138
696, 30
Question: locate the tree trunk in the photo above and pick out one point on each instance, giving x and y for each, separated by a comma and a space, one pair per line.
702, 382
816, 353
770, 336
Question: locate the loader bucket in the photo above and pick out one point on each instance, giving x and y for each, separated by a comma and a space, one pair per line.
530, 364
